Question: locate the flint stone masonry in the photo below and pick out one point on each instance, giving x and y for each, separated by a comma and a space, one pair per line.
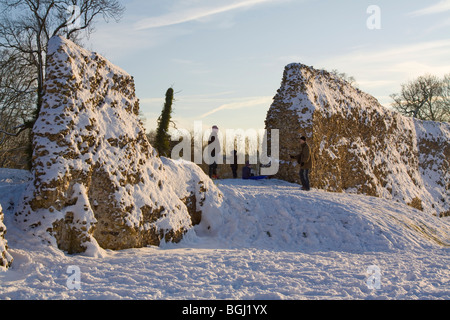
97, 182
358, 145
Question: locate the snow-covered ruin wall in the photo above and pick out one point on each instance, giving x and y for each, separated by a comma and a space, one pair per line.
358, 145
5, 258
97, 182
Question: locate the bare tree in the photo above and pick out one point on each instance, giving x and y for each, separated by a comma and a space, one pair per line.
342, 75
423, 98
26, 26
17, 94
16, 88
445, 107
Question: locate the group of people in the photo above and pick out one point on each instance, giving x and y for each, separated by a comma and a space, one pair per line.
304, 158
246, 170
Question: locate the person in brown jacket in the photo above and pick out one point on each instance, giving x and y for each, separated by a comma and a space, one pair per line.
305, 161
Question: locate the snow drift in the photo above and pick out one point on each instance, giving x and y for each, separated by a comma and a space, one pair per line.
197, 191
97, 182
270, 240
277, 215
359, 146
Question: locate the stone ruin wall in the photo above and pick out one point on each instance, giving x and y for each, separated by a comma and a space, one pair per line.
358, 145
97, 180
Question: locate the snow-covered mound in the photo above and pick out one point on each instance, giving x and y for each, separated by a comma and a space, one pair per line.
276, 215
271, 241
97, 182
201, 196
358, 145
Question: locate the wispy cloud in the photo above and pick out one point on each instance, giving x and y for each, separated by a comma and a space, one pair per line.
410, 51
379, 71
244, 103
192, 14
440, 7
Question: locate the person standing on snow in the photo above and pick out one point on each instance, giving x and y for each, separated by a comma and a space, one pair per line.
212, 146
305, 161
234, 165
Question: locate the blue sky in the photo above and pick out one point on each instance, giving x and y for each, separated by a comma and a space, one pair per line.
225, 58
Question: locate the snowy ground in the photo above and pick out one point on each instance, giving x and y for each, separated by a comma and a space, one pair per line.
272, 241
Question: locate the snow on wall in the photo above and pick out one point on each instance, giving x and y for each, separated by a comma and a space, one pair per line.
5, 258
97, 182
199, 193
359, 146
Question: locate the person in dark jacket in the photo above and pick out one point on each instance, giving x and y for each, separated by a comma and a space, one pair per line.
246, 171
213, 166
305, 161
234, 165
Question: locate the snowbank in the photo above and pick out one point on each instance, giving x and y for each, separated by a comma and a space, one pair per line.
276, 215
12, 184
272, 242
201, 196
359, 146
